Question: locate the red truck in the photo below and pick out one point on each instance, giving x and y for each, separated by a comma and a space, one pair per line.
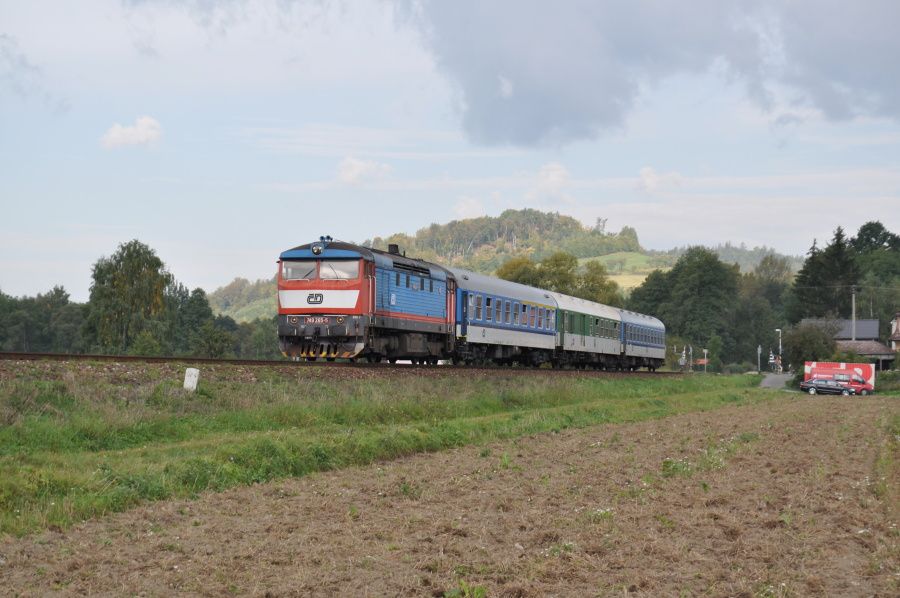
858, 376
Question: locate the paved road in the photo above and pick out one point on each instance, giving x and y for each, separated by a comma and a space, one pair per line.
775, 380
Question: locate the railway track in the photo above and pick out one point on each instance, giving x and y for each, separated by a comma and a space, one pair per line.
26, 356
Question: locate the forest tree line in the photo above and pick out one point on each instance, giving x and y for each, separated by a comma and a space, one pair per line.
135, 307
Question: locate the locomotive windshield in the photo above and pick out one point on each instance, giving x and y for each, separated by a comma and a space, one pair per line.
298, 270
316, 269
334, 270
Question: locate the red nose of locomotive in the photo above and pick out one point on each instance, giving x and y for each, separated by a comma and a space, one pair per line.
323, 301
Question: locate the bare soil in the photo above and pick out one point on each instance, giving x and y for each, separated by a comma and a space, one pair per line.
785, 504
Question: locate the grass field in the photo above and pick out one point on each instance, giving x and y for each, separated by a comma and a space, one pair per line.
627, 268
77, 441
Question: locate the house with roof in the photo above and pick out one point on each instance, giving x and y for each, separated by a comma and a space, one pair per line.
861, 337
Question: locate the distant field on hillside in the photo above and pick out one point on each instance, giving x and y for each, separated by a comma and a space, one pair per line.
628, 268
628, 282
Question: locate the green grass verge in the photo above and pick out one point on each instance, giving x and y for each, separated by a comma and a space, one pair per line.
77, 448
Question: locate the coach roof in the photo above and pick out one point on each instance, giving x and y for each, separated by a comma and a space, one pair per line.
630, 317
584, 306
479, 283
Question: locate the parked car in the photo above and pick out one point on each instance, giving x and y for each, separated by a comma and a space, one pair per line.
826, 387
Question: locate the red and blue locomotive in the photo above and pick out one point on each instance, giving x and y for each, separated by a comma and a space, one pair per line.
341, 300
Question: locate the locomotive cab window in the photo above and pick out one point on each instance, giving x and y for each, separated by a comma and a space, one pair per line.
298, 270
338, 270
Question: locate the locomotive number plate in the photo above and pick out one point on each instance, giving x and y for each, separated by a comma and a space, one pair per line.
316, 320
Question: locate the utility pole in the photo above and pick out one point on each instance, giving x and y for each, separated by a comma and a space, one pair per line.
758, 358
705, 360
853, 313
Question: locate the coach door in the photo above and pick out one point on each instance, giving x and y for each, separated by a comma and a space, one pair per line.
464, 321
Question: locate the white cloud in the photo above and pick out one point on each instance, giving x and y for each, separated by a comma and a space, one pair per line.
506, 87
469, 207
353, 171
651, 181
550, 185
146, 130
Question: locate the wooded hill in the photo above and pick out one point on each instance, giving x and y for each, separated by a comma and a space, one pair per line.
483, 244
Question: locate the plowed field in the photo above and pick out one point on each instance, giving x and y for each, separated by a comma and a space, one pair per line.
790, 497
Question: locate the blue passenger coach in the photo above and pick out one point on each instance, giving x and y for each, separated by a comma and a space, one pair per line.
502, 321
643, 339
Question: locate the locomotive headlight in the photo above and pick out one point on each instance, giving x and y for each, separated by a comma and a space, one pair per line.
317, 249
293, 320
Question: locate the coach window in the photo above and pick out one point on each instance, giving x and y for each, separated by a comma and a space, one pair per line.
540, 318
487, 308
515, 314
532, 316
498, 311
506, 312
524, 321
478, 307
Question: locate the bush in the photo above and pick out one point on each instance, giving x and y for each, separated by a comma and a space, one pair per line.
739, 368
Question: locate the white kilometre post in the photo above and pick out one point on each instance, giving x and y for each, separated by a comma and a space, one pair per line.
191, 378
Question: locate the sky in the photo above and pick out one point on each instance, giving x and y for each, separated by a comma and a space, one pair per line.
222, 132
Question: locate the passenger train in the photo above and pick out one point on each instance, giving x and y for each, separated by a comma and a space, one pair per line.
339, 300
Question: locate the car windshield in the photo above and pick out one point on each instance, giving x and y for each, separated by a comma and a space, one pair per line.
298, 270
338, 270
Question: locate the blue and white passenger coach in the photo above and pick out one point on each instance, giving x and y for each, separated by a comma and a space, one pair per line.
502, 321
